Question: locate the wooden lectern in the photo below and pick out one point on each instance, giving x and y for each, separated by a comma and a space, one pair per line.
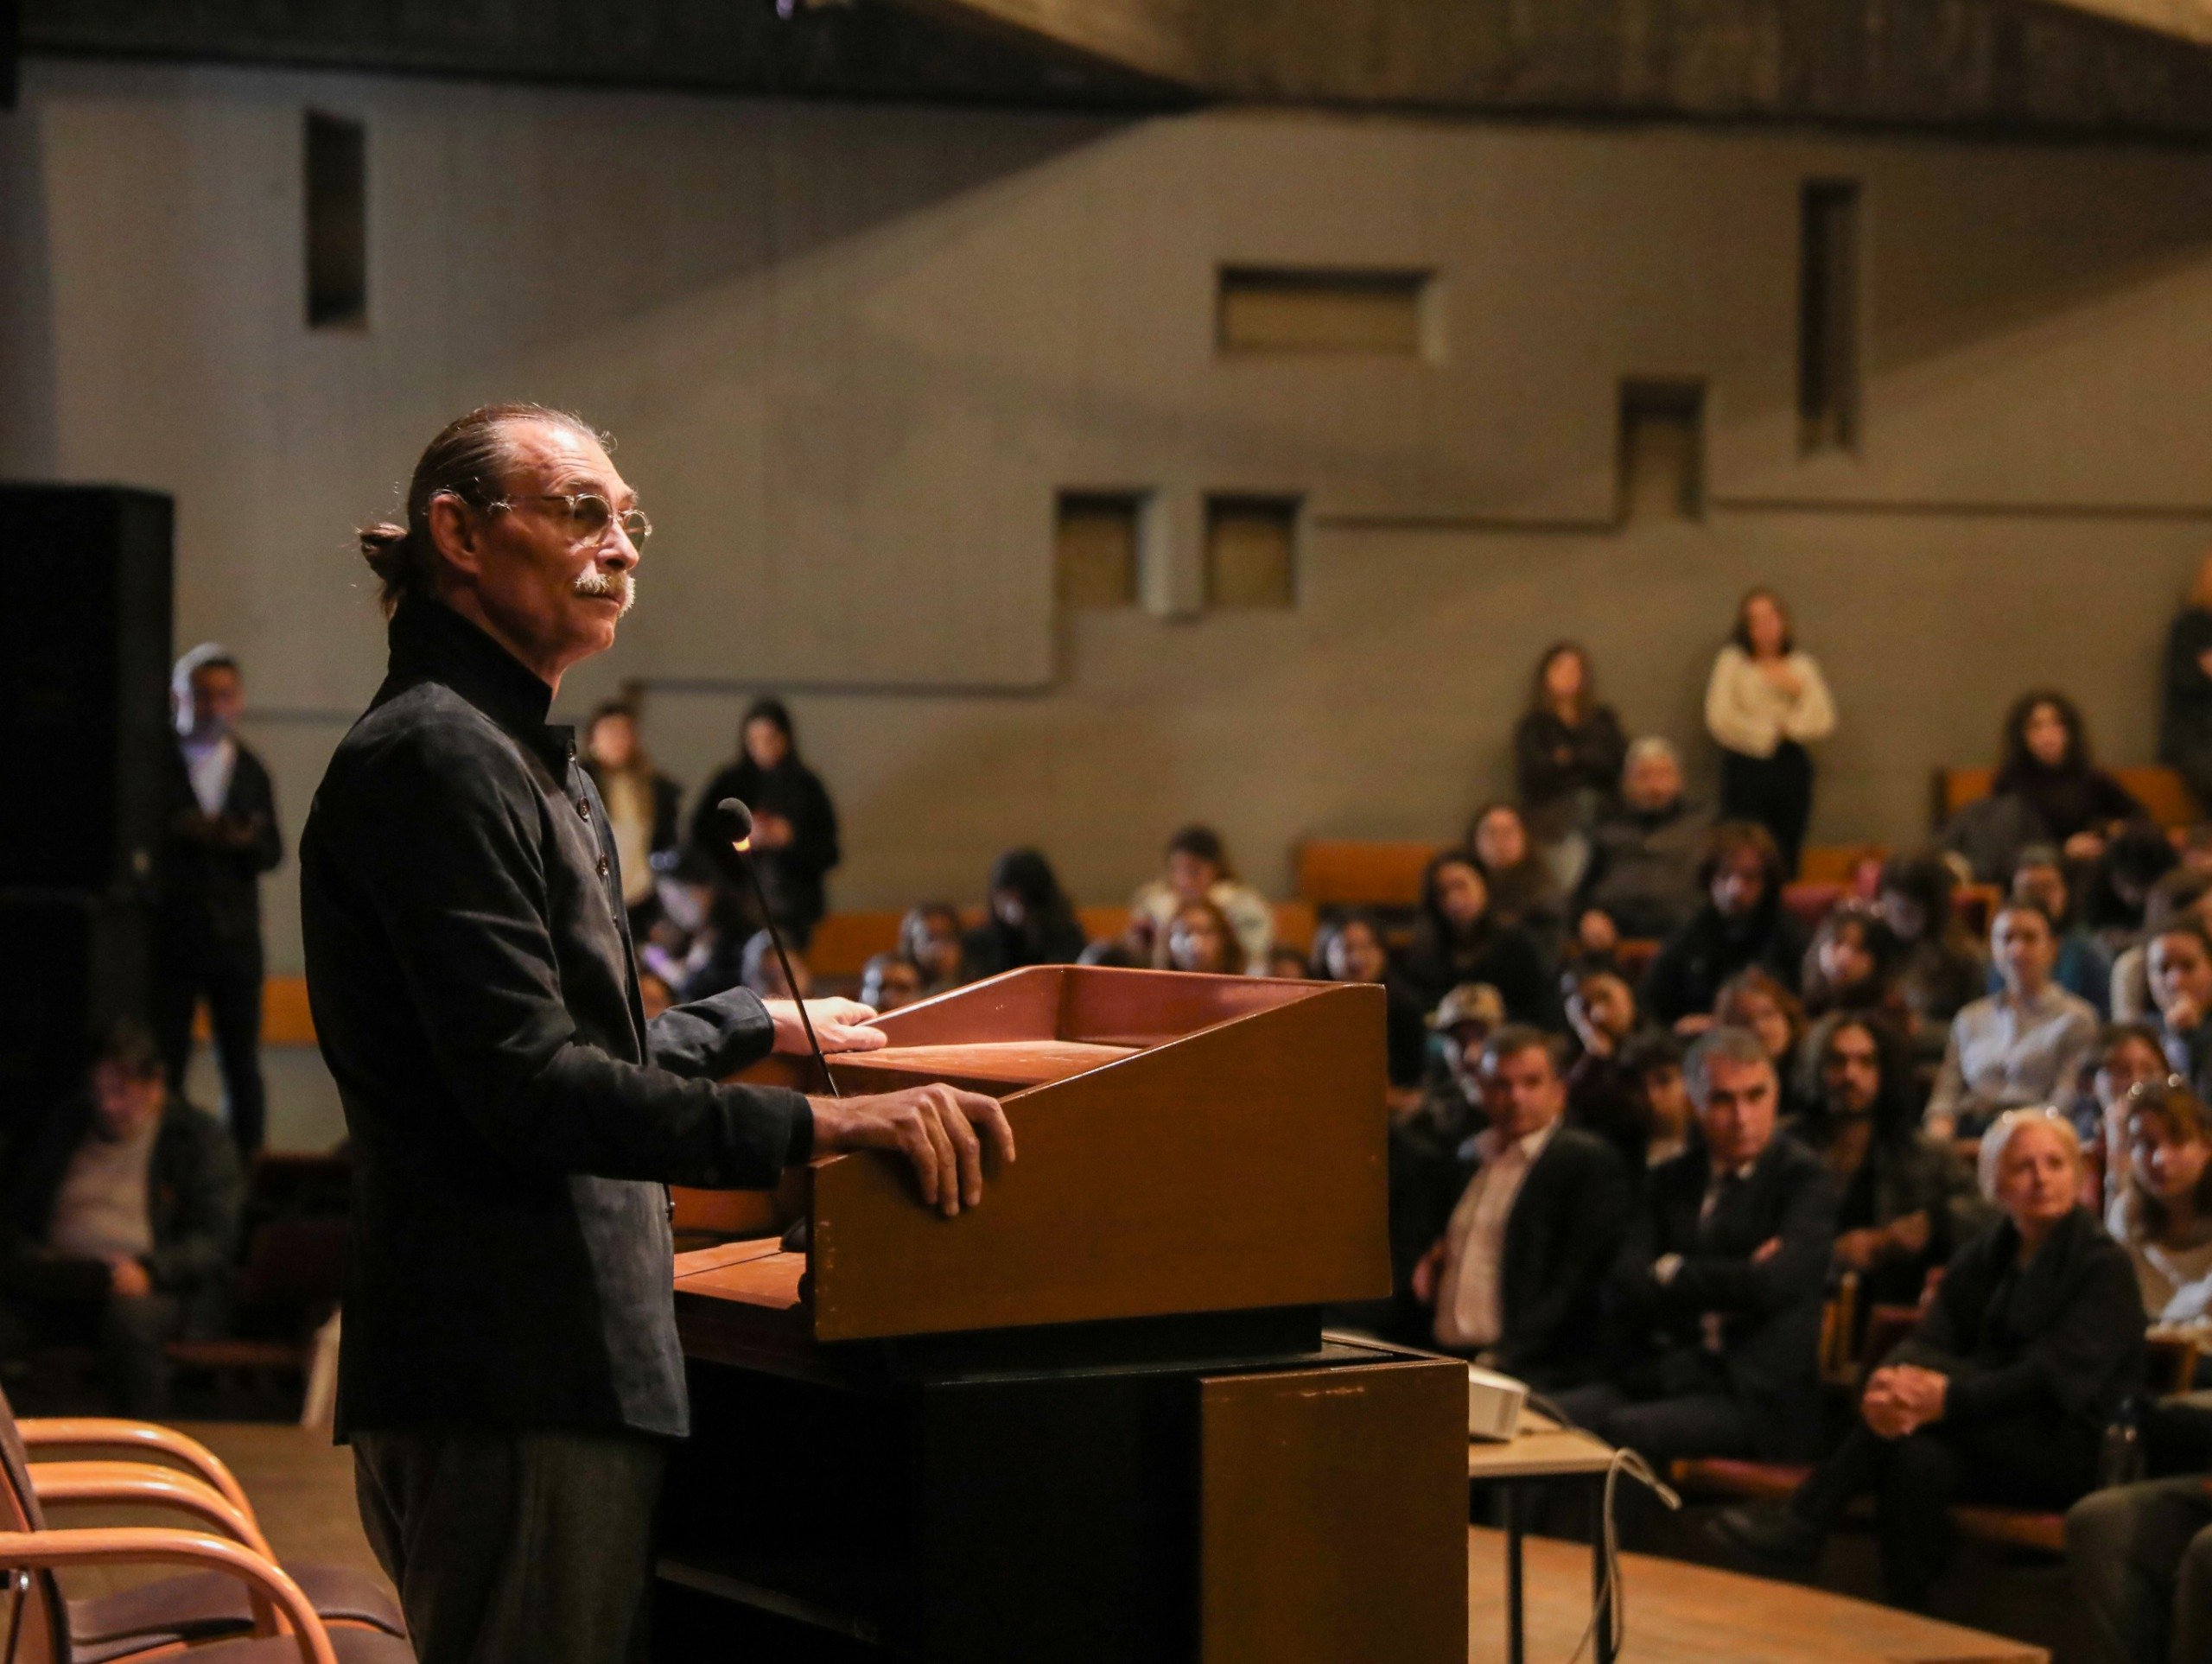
1096, 1418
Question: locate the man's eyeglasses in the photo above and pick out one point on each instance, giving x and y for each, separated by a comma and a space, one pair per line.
590, 515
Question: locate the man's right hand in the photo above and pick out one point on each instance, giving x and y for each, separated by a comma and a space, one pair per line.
935, 1127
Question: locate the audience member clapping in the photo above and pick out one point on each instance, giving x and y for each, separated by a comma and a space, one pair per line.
2022, 1046
1523, 891
2039, 875
1644, 853
890, 981
1031, 921
2032, 1343
1457, 939
1766, 701
2162, 1214
931, 937
2181, 985
1568, 754
794, 825
1199, 871
1742, 924
1714, 1304
1908, 1200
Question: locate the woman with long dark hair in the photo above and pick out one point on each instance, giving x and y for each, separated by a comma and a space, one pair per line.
1568, 752
1031, 921
2046, 769
1765, 702
1457, 939
794, 824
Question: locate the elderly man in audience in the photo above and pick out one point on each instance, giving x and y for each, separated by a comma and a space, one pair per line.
119, 1225
1514, 1280
1642, 874
1908, 1200
1715, 1300
2020, 1047
2033, 1342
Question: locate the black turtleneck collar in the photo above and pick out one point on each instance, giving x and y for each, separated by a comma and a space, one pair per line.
431, 642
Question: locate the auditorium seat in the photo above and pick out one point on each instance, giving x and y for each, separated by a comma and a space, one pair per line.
2161, 791
1353, 873
844, 942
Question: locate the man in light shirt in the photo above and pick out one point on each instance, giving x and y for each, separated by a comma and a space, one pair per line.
1515, 1278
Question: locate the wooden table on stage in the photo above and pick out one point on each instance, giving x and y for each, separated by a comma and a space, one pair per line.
1544, 1453
1094, 1420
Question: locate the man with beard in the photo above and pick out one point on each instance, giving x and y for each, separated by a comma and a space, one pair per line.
511, 1379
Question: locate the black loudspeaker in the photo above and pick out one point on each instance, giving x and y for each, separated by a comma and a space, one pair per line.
69, 964
84, 683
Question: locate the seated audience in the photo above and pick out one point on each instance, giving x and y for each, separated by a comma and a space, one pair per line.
1457, 939
2183, 893
1199, 937
1514, 1280
1766, 701
762, 971
2033, 1342
1940, 967
1429, 1156
641, 803
2128, 1055
695, 943
1568, 754
1031, 922
1601, 1012
1285, 962
118, 1224
1714, 1304
1351, 951
930, 938
1742, 924
1645, 853
2163, 1214
1666, 1125
1852, 966
1199, 870
1523, 893
2181, 985
1908, 1200
2185, 701
2116, 894
2015, 1049
1752, 999
794, 824
2047, 791
2039, 876
889, 981
2141, 1556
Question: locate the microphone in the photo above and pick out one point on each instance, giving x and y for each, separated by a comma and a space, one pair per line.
737, 821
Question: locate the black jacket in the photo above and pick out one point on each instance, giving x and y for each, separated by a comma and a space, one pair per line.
513, 1117
1561, 1239
1687, 977
1769, 1309
195, 1189
1551, 761
2185, 699
210, 889
1505, 957
792, 875
2062, 1337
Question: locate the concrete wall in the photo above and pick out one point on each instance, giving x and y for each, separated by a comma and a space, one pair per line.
852, 353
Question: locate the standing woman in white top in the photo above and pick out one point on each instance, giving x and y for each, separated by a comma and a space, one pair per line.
1766, 702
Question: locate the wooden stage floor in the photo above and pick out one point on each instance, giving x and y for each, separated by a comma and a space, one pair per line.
302, 1488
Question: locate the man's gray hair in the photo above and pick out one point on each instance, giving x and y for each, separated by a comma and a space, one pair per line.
1650, 745
1729, 1045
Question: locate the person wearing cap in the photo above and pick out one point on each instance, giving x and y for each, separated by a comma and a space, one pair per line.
1429, 1155
219, 836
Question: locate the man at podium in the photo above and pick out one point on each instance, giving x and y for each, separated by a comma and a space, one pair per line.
511, 1374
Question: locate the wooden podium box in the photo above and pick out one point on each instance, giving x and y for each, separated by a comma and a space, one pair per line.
1096, 1418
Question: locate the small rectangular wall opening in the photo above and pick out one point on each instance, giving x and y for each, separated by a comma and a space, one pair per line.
337, 202
1662, 450
1097, 539
1285, 309
1252, 551
1827, 318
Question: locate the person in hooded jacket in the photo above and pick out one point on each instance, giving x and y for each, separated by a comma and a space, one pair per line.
1031, 921
794, 823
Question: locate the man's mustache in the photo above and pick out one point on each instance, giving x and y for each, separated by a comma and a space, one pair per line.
616, 585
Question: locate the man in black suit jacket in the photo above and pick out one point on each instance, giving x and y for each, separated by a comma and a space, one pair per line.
1514, 1280
1714, 1304
219, 837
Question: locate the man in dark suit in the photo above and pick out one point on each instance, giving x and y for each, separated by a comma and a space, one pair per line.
220, 836
1514, 1280
1714, 1304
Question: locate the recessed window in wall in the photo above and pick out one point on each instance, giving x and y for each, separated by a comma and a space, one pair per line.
1827, 318
1252, 551
1283, 309
337, 200
1662, 450
1096, 540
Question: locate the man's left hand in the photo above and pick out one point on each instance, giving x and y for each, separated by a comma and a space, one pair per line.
840, 1025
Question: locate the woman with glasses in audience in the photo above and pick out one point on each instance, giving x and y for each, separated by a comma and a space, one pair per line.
2030, 1346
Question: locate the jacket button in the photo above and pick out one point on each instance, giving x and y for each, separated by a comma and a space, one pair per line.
602, 867
583, 807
